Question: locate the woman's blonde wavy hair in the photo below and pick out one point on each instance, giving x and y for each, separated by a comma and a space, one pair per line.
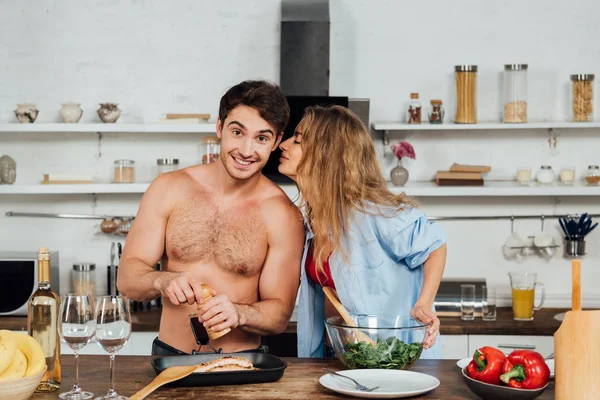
339, 173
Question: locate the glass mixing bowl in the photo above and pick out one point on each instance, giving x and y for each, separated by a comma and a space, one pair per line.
377, 341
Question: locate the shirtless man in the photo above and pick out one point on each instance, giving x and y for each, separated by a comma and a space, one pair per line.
223, 224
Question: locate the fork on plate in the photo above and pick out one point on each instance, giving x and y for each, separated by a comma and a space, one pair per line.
360, 387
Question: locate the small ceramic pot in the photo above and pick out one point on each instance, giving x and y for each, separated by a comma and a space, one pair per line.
71, 112
26, 113
109, 112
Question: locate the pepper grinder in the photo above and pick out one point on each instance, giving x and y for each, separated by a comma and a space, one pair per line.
207, 295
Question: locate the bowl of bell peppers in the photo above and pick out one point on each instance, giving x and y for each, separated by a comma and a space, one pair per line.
493, 375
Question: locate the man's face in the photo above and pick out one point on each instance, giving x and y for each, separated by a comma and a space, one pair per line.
247, 141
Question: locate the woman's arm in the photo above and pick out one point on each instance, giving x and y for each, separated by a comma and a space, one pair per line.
433, 269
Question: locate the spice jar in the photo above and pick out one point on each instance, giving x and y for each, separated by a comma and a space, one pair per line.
436, 116
582, 93
567, 175
545, 175
524, 175
83, 277
592, 176
211, 149
124, 171
164, 165
414, 109
466, 92
515, 93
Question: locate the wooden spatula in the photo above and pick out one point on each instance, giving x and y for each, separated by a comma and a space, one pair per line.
333, 298
167, 376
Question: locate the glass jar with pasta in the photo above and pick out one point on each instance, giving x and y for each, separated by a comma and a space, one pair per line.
515, 93
582, 97
466, 94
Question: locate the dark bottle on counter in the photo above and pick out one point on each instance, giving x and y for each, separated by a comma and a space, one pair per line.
42, 323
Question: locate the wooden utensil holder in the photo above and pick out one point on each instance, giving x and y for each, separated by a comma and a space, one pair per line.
576, 349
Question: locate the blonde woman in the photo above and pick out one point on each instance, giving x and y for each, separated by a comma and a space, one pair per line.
376, 248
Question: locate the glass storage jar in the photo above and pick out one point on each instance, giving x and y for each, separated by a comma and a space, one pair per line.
515, 93
436, 116
164, 165
83, 277
545, 175
413, 114
466, 94
582, 97
592, 176
124, 171
211, 149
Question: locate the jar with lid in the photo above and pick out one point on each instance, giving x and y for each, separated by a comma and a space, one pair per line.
515, 93
164, 165
212, 149
545, 175
466, 94
124, 171
592, 176
83, 277
413, 115
582, 97
436, 116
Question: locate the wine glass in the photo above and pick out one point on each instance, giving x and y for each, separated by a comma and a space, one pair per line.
113, 329
77, 326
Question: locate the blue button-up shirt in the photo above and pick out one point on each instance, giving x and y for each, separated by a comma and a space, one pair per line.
383, 272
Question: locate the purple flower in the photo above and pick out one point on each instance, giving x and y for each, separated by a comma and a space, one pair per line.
403, 149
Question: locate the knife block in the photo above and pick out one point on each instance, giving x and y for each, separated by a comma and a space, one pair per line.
577, 356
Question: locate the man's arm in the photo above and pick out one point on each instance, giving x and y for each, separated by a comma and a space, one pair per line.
145, 246
279, 279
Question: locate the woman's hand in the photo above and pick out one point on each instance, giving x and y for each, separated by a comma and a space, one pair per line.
425, 314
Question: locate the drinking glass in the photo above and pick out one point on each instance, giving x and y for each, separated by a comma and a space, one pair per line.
488, 303
113, 329
467, 302
76, 327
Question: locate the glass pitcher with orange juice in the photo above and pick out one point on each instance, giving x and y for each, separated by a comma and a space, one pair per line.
523, 285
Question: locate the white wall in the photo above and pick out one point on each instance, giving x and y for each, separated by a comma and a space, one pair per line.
154, 57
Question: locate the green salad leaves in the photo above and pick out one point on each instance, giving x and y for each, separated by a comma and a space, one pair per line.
391, 353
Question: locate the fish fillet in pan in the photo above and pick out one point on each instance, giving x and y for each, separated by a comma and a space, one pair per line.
227, 363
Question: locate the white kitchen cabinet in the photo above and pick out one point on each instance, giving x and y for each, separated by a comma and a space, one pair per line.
507, 343
454, 346
139, 344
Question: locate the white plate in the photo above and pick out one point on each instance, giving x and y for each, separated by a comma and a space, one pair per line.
465, 361
392, 383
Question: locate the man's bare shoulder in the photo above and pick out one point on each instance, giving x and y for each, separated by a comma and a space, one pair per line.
181, 180
278, 208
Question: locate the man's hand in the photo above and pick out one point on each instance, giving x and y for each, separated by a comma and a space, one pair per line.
180, 287
219, 313
424, 314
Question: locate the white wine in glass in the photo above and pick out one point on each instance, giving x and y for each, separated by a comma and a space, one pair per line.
113, 329
76, 326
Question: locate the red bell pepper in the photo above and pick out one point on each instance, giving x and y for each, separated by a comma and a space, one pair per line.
525, 369
486, 365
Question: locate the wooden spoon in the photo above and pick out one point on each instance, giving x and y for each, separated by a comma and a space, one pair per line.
333, 298
167, 376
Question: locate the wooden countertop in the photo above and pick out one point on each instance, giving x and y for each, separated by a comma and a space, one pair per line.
543, 324
300, 381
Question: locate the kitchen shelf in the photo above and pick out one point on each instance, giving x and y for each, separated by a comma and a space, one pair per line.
403, 126
415, 188
496, 188
89, 188
106, 128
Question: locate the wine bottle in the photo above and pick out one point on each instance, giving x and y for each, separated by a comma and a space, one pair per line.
42, 323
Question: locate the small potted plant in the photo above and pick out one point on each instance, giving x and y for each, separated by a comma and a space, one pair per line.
399, 174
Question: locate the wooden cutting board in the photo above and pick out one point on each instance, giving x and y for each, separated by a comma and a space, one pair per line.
577, 349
